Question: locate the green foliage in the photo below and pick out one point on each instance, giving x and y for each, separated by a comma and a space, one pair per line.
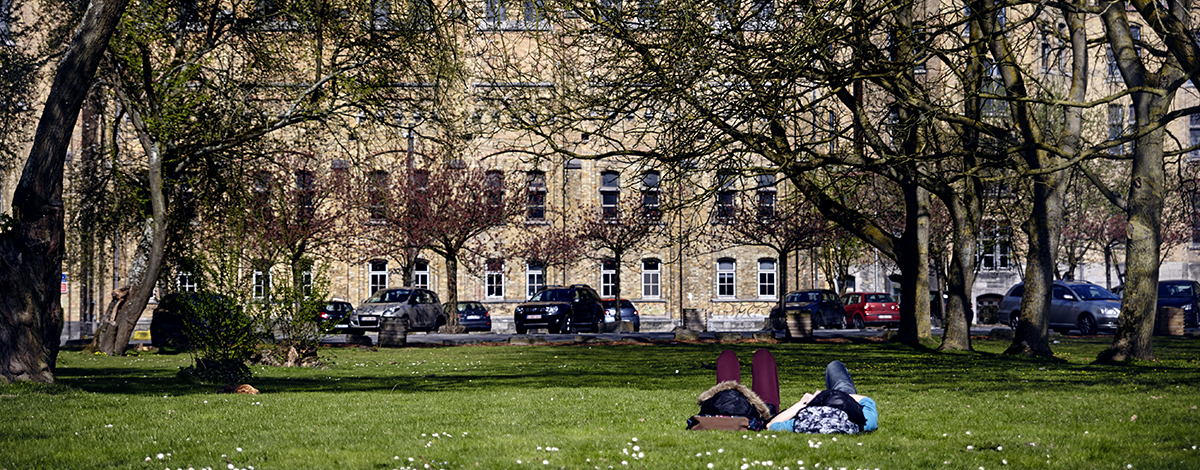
296, 298
223, 338
456, 407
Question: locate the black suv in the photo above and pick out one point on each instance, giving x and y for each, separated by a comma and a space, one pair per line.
564, 309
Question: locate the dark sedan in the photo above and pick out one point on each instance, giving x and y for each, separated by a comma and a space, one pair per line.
334, 316
1182, 294
472, 315
823, 304
628, 313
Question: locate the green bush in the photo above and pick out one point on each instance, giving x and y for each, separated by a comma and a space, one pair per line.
223, 338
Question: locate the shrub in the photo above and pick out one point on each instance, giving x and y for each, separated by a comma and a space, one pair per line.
222, 337
989, 314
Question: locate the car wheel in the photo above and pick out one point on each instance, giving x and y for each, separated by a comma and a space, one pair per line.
522, 329
859, 323
816, 321
934, 321
599, 323
1087, 324
569, 325
554, 329
1013, 319
637, 327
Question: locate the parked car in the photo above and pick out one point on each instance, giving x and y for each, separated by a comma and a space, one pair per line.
1073, 305
822, 304
564, 309
1183, 294
627, 313
472, 314
419, 309
870, 308
335, 315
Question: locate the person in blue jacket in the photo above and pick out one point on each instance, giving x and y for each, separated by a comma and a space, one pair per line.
837, 409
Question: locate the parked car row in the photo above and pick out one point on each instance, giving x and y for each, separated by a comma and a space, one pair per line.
859, 309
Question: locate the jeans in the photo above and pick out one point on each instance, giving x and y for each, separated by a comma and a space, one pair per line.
838, 378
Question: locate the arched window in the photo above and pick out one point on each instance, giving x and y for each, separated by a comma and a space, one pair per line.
377, 276
651, 209
610, 194
421, 274
766, 278
726, 278
651, 278
536, 205
608, 278
535, 278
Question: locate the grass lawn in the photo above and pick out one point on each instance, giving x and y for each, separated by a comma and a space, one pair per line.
609, 406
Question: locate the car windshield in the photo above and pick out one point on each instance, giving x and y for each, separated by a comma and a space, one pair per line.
389, 296
1176, 290
879, 298
807, 297
1093, 292
552, 295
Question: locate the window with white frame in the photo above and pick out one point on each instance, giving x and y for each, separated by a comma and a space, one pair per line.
766, 278
608, 278
261, 281
377, 276
610, 194
535, 278
421, 274
651, 278
306, 282
501, 15
995, 247
185, 281
494, 278
726, 278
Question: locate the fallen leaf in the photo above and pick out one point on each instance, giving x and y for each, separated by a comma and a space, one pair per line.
1133, 418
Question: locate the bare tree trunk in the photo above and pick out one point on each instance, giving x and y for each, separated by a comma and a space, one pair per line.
31, 253
1045, 225
451, 258
914, 264
966, 218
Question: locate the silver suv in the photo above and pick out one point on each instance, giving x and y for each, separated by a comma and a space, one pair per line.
419, 309
1073, 304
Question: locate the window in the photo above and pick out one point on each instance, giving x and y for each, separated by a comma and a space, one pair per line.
651, 279
536, 204
1116, 126
1047, 50
185, 281
608, 278
725, 197
377, 196
993, 85
1135, 33
420, 278
532, 15
651, 208
995, 247
494, 274
766, 197
610, 194
648, 12
377, 276
306, 282
535, 278
1194, 194
261, 280
1194, 136
766, 278
306, 195
726, 277
495, 188
1131, 128
1114, 70
833, 131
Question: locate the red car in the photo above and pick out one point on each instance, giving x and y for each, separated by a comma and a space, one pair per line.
870, 308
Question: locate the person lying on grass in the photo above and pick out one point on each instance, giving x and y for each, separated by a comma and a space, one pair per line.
837, 409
